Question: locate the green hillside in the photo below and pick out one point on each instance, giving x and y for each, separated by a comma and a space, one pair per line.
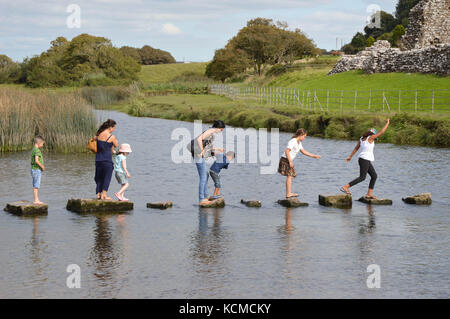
163, 73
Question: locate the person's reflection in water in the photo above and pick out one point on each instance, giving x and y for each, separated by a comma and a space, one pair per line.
369, 227
107, 253
287, 229
37, 248
208, 240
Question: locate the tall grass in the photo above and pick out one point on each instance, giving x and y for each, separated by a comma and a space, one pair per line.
65, 120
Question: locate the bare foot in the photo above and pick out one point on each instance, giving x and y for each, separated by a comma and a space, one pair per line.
291, 195
371, 197
38, 202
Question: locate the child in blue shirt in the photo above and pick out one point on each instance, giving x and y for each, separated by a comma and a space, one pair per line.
222, 161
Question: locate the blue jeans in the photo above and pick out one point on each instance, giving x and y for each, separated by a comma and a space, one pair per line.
203, 174
216, 178
36, 176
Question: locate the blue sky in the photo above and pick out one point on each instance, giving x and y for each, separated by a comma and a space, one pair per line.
190, 29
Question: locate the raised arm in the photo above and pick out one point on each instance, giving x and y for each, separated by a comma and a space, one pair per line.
375, 136
354, 151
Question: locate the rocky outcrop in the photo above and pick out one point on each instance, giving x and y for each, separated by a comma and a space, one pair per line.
420, 199
26, 208
373, 201
160, 205
381, 58
292, 202
251, 203
338, 201
429, 24
79, 205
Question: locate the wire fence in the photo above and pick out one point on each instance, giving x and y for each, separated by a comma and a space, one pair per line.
389, 100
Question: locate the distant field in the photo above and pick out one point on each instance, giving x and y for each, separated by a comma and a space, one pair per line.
358, 80
163, 73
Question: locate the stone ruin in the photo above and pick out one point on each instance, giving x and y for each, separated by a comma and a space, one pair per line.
426, 45
429, 24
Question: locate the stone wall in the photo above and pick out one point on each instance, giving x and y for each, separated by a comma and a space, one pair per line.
427, 40
429, 24
381, 58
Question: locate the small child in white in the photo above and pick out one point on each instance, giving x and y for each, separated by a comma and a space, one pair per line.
121, 172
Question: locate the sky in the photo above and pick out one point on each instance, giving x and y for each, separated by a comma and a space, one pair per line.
189, 29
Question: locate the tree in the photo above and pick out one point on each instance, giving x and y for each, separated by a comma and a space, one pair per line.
370, 41
398, 32
131, 52
150, 55
227, 62
402, 10
387, 24
9, 70
358, 41
267, 43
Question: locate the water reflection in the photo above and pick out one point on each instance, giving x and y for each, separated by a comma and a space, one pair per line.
108, 251
208, 240
37, 250
368, 226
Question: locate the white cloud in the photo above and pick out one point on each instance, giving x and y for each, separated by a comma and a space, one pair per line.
170, 29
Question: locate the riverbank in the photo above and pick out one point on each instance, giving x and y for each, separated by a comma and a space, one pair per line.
406, 128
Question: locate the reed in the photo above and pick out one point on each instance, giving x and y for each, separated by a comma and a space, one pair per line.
65, 120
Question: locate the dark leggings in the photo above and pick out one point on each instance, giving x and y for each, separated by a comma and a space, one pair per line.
365, 167
103, 173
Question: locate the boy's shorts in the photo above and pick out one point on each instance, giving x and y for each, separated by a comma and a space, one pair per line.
216, 178
36, 176
121, 178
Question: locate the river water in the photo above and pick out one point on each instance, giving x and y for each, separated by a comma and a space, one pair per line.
239, 252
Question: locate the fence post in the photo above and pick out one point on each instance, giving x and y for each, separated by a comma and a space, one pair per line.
432, 103
370, 97
415, 103
356, 95
383, 100
328, 97
399, 99
342, 94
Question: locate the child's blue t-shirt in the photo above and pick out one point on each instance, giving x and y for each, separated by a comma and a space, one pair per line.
118, 163
219, 164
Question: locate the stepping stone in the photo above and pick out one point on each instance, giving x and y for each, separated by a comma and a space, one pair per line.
375, 201
26, 208
338, 201
420, 199
291, 202
79, 205
160, 205
220, 202
251, 203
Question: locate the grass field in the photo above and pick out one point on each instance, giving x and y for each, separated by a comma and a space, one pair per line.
164, 73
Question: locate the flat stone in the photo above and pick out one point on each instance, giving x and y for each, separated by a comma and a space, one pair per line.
216, 203
372, 201
291, 202
160, 205
251, 203
420, 199
26, 208
338, 201
79, 205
